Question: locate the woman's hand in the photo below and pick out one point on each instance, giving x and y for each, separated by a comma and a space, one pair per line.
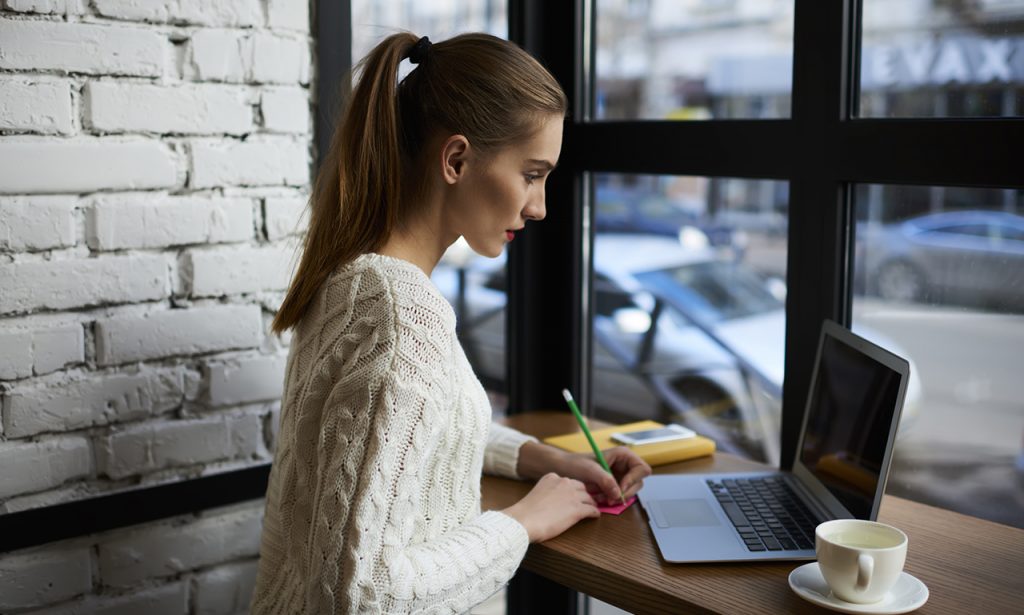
629, 470
555, 504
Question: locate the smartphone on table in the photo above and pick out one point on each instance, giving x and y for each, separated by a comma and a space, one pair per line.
650, 436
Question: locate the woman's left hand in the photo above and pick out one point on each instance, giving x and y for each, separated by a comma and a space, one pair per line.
629, 470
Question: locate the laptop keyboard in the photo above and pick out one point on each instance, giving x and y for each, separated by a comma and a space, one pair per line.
766, 512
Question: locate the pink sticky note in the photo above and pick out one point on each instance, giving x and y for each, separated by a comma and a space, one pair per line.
617, 508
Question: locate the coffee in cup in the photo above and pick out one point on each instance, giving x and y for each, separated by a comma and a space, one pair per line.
860, 560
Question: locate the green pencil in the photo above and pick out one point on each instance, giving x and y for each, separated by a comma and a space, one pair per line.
583, 425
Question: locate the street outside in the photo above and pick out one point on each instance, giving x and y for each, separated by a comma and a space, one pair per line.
964, 451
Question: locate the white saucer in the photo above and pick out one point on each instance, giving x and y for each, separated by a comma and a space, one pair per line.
908, 594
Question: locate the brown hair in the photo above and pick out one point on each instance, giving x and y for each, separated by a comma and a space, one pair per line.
477, 85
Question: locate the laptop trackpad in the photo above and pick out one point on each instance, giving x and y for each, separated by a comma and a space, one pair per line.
684, 513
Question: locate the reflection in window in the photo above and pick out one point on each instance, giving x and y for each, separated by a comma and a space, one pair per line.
693, 60
939, 276
939, 58
372, 20
689, 318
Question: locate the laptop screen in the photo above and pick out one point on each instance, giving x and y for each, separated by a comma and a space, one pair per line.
849, 424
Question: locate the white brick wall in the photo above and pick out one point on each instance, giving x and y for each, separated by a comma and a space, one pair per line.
59, 284
155, 160
36, 466
39, 351
39, 105
144, 221
37, 223
225, 590
54, 574
192, 108
82, 48
272, 161
67, 406
125, 339
238, 13
164, 550
29, 165
231, 271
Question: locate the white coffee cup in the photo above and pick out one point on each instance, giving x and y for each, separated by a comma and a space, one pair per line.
860, 560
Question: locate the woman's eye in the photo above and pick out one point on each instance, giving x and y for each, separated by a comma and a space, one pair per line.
530, 178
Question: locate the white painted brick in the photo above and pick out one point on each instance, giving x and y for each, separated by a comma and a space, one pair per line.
268, 162
81, 282
288, 14
140, 449
225, 590
85, 164
98, 400
170, 599
276, 59
44, 577
82, 48
39, 351
192, 108
15, 354
59, 7
35, 104
237, 13
177, 332
244, 380
230, 271
36, 466
142, 221
161, 549
219, 55
37, 223
54, 348
285, 110
284, 216
237, 57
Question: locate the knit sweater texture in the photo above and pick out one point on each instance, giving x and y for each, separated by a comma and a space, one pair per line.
373, 504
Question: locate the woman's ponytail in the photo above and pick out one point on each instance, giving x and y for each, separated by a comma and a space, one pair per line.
355, 200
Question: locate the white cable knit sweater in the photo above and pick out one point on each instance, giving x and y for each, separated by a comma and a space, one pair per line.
373, 504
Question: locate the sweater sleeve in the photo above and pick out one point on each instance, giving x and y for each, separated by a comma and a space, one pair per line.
380, 567
501, 457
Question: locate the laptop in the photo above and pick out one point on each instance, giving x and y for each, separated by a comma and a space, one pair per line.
839, 471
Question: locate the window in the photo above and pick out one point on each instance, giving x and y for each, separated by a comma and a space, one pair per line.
942, 289
942, 58
665, 59
689, 305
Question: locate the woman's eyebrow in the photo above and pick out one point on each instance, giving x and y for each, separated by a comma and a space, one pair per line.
543, 163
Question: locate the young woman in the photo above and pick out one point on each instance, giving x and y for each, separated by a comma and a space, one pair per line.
373, 504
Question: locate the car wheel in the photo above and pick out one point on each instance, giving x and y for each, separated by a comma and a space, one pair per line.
900, 281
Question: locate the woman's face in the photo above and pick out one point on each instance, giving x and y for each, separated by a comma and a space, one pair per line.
498, 193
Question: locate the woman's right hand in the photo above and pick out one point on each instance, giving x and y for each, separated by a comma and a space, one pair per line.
553, 505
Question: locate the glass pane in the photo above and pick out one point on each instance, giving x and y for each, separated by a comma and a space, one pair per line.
689, 305
373, 20
693, 59
473, 284
942, 58
939, 272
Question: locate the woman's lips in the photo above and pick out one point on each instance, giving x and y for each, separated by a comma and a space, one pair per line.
510, 235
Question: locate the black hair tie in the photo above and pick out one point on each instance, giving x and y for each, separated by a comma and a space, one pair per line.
419, 51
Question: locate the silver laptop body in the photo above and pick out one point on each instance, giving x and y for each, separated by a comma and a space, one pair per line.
839, 472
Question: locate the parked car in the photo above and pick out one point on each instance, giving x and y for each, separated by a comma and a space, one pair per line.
633, 210
964, 257
680, 335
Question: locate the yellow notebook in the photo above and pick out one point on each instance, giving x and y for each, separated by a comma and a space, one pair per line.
657, 453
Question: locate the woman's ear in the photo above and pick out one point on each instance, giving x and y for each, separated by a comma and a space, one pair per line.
454, 154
